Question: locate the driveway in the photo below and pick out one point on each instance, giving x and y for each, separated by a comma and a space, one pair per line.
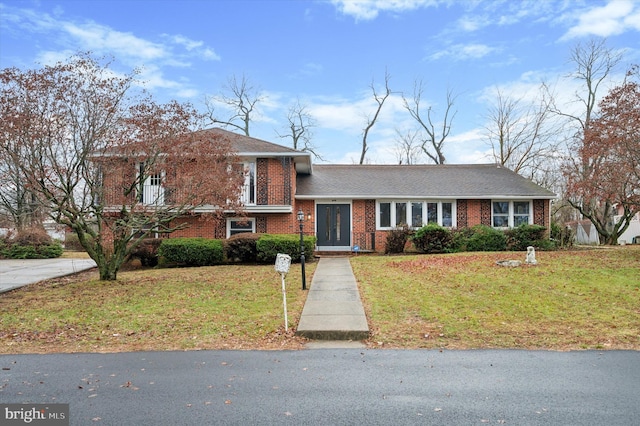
16, 273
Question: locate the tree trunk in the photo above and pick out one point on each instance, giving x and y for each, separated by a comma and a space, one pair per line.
108, 272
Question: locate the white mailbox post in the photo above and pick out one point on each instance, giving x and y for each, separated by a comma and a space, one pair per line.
283, 261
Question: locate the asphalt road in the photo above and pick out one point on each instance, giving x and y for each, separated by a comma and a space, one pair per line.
332, 386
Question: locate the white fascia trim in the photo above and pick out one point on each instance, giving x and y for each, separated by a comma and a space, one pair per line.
423, 197
268, 209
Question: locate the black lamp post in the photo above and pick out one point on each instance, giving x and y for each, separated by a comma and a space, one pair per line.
301, 221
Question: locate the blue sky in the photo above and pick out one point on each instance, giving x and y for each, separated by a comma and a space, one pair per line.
327, 53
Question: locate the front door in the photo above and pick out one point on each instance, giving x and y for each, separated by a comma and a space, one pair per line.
334, 225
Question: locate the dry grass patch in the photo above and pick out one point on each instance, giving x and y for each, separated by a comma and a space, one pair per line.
571, 300
220, 307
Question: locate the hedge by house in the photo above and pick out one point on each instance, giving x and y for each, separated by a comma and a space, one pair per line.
486, 238
397, 239
432, 238
518, 239
269, 245
192, 251
242, 247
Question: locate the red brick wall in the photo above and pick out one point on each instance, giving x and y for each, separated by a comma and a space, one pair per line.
473, 213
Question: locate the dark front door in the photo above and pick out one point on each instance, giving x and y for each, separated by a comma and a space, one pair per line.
334, 224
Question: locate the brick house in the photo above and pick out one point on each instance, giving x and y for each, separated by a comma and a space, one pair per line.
355, 205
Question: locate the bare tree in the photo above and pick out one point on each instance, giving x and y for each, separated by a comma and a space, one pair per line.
380, 99
299, 128
594, 63
432, 137
522, 135
241, 98
407, 147
92, 145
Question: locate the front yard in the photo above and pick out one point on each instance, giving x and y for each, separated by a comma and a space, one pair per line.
588, 299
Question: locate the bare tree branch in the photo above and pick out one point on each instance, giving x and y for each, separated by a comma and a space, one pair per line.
299, 128
523, 136
241, 98
371, 121
432, 137
407, 147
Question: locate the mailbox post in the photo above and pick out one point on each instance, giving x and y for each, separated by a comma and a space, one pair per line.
283, 261
304, 276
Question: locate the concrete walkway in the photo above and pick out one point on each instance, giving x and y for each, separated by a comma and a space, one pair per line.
15, 273
333, 310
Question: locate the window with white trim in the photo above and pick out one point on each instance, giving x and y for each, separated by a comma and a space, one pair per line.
151, 189
239, 225
510, 214
248, 196
416, 214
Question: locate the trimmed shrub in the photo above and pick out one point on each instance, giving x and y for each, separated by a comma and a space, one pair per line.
242, 247
397, 239
432, 238
32, 237
518, 239
269, 245
460, 239
32, 243
147, 251
486, 238
192, 251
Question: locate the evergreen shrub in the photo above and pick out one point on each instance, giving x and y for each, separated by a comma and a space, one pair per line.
192, 251
432, 238
486, 238
269, 245
518, 239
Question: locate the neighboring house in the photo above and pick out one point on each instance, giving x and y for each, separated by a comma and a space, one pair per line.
585, 232
356, 205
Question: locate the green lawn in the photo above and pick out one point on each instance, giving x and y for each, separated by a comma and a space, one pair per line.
570, 300
219, 307
588, 299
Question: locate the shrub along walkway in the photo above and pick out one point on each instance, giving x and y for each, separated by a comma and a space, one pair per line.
333, 309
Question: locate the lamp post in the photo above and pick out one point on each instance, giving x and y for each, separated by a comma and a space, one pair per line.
301, 221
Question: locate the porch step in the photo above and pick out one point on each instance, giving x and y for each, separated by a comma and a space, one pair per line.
320, 254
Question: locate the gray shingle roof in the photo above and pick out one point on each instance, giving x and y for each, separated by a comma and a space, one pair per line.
247, 144
417, 181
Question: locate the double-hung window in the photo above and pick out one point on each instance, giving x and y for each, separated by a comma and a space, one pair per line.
240, 225
510, 214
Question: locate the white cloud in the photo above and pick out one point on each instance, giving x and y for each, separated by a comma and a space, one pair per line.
95, 37
614, 18
366, 10
152, 56
461, 52
196, 47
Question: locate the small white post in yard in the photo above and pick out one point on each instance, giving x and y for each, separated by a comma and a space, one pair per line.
531, 256
283, 261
